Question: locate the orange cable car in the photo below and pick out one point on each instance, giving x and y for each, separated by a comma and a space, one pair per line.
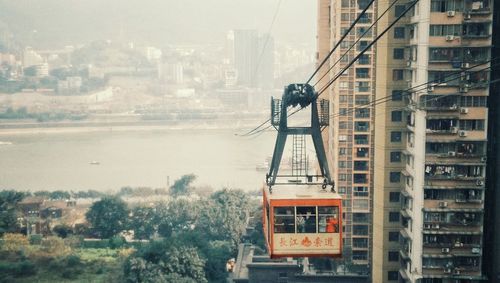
301, 218
302, 221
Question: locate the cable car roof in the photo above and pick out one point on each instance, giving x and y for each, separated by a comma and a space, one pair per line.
301, 192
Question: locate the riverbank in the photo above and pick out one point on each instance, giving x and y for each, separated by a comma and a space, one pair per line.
29, 128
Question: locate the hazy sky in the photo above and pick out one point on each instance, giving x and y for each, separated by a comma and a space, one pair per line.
156, 21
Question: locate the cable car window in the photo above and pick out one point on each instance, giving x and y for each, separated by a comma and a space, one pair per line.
306, 219
328, 219
284, 219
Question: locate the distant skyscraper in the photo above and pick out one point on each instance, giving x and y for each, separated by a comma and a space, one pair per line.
254, 58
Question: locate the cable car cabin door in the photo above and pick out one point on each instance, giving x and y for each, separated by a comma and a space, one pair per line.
303, 224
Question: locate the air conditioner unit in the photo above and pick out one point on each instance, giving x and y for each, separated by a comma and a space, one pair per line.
466, 16
465, 65
445, 250
443, 204
483, 159
476, 250
462, 133
454, 130
456, 272
464, 110
479, 183
408, 63
450, 37
447, 270
464, 89
435, 226
450, 13
452, 153
430, 88
427, 226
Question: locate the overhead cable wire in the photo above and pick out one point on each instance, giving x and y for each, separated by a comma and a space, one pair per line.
368, 47
424, 86
260, 59
341, 40
409, 90
354, 44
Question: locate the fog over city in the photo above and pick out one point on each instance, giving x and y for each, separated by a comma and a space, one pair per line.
155, 22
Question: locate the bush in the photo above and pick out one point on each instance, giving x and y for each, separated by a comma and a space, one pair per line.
117, 242
95, 244
73, 260
14, 242
35, 239
55, 246
19, 269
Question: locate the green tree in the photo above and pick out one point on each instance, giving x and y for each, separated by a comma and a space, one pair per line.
224, 216
176, 216
142, 221
108, 216
8, 212
182, 186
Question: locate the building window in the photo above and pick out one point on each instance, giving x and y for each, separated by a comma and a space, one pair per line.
360, 165
443, 30
361, 139
394, 216
398, 53
396, 136
360, 191
393, 256
362, 126
360, 243
398, 74
392, 275
362, 100
394, 196
364, 59
344, 98
360, 230
362, 45
359, 255
362, 73
342, 151
472, 125
366, 18
362, 113
393, 236
399, 32
397, 116
394, 177
395, 156
399, 10
397, 95
362, 152
360, 179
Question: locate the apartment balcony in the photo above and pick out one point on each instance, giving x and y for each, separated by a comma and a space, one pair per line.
475, 7
452, 251
455, 158
473, 228
456, 273
455, 204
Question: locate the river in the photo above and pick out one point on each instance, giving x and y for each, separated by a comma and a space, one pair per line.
149, 158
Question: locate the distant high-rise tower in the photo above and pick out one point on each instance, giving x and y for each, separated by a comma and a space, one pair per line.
253, 58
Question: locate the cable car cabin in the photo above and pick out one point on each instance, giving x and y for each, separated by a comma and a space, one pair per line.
302, 221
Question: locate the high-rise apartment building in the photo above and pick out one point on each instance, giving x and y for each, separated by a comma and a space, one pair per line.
412, 167
430, 158
350, 136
